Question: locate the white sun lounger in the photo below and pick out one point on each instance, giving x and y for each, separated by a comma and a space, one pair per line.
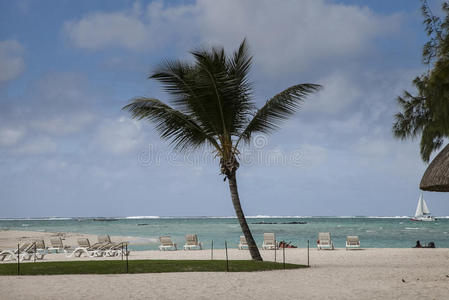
84, 247
243, 244
105, 238
166, 243
57, 245
324, 241
11, 254
192, 242
269, 242
115, 249
352, 242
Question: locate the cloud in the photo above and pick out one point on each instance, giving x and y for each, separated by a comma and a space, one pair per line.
292, 35
136, 29
64, 123
36, 146
10, 136
11, 59
119, 136
313, 155
101, 30
287, 36
339, 92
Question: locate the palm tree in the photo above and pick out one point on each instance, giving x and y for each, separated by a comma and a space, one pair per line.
213, 107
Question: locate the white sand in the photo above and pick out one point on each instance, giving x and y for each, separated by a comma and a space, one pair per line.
338, 274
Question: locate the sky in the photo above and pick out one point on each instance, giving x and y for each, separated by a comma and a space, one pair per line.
68, 67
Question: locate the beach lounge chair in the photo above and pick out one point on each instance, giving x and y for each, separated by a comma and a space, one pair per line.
352, 242
324, 241
192, 242
36, 250
243, 244
85, 247
105, 238
269, 242
166, 243
116, 249
57, 245
11, 254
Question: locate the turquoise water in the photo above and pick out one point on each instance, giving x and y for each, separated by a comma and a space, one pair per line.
373, 232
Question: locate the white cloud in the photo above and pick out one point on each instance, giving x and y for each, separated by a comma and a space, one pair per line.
11, 59
10, 136
339, 93
37, 145
119, 136
64, 123
104, 30
313, 155
135, 29
373, 146
287, 36
291, 35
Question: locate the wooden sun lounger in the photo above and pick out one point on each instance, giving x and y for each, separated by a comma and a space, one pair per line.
57, 245
324, 241
243, 244
192, 242
269, 241
166, 243
85, 247
352, 242
11, 254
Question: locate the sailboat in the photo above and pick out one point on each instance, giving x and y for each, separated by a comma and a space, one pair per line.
422, 211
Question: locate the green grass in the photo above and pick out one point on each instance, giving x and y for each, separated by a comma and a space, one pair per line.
140, 266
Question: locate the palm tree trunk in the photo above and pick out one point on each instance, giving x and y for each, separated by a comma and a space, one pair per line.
253, 250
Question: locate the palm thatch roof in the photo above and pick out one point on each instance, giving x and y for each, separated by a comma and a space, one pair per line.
436, 177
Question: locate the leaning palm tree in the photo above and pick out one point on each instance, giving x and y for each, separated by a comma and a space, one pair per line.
213, 107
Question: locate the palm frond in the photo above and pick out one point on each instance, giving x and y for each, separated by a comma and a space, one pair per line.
278, 108
182, 131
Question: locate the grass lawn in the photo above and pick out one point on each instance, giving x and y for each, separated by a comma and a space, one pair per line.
140, 266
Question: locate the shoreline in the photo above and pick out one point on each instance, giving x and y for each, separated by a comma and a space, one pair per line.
371, 273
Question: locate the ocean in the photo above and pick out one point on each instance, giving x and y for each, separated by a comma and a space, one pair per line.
143, 232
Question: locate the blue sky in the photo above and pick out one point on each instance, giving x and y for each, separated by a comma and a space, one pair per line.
67, 68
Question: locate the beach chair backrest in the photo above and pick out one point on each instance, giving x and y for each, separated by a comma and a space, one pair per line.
243, 240
40, 244
166, 241
324, 237
56, 242
24, 247
83, 242
105, 238
352, 240
269, 238
191, 239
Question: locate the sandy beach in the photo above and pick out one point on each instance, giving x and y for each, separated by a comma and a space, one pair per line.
339, 274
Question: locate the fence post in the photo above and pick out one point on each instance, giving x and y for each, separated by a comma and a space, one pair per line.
18, 259
122, 251
227, 263
212, 251
34, 260
126, 253
283, 255
275, 251
308, 253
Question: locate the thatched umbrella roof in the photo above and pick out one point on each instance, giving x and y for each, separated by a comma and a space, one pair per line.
436, 177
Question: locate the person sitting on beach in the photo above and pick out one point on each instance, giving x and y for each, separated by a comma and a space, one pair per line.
431, 245
418, 245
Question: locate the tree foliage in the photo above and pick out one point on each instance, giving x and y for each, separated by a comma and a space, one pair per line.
427, 112
211, 102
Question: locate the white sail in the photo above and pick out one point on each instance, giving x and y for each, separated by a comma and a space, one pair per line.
419, 208
425, 209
